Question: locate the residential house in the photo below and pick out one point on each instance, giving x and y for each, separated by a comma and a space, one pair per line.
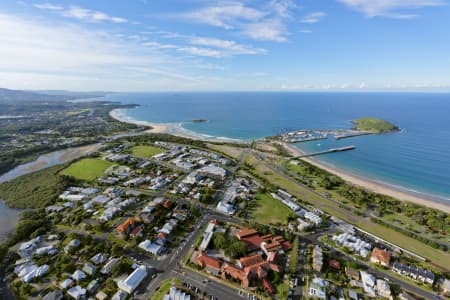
89, 268
317, 288
210, 264
126, 227
77, 292
380, 257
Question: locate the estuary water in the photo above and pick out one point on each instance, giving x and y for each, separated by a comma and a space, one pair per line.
415, 159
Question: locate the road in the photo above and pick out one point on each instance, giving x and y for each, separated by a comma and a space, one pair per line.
170, 265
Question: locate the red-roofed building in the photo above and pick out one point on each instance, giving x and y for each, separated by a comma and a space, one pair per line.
137, 231
286, 246
381, 257
211, 264
267, 286
236, 273
162, 236
334, 264
126, 227
167, 204
250, 260
246, 232
215, 222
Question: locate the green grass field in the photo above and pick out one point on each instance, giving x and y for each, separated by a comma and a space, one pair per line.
164, 288
269, 210
87, 169
146, 151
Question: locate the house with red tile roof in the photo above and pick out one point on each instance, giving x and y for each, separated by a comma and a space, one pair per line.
334, 264
167, 204
137, 231
211, 264
380, 257
126, 227
250, 260
246, 232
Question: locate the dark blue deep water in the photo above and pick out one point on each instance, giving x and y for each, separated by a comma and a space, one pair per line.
417, 158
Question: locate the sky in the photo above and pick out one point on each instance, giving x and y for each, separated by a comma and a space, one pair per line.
231, 45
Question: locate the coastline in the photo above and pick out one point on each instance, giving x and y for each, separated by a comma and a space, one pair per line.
373, 186
176, 129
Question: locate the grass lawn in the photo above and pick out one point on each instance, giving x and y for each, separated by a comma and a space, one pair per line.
269, 210
234, 152
164, 288
146, 151
87, 169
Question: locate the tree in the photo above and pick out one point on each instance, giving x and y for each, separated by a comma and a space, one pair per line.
219, 240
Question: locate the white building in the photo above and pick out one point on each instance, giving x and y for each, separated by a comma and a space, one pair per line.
133, 280
109, 266
317, 288
369, 282
313, 217
152, 248
175, 294
77, 292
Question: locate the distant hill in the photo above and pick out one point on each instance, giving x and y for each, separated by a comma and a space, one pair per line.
73, 94
7, 95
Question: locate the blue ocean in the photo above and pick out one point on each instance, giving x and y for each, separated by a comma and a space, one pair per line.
415, 159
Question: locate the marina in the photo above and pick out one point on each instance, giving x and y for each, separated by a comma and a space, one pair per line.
300, 136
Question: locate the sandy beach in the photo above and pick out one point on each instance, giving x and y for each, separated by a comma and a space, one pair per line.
170, 128
373, 185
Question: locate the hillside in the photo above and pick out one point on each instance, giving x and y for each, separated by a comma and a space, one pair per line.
374, 125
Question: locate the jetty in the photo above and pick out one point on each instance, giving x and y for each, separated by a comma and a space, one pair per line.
344, 136
332, 150
301, 140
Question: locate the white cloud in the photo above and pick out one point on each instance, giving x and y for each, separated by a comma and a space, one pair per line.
389, 8
229, 47
38, 54
48, 6
156, 45
225, 15
202, 46
265, 23
91, 15
201, 51
79, 13
313, 17
305, 31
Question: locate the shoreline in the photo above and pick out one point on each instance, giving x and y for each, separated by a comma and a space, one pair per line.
374, 186
176, 129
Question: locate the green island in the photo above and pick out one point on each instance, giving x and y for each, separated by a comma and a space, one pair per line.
374, 125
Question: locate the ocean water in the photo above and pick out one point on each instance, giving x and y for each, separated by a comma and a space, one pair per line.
415, 159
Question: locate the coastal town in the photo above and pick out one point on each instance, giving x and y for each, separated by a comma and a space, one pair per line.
169, 220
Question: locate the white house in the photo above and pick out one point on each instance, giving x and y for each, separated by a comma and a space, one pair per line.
133, 280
